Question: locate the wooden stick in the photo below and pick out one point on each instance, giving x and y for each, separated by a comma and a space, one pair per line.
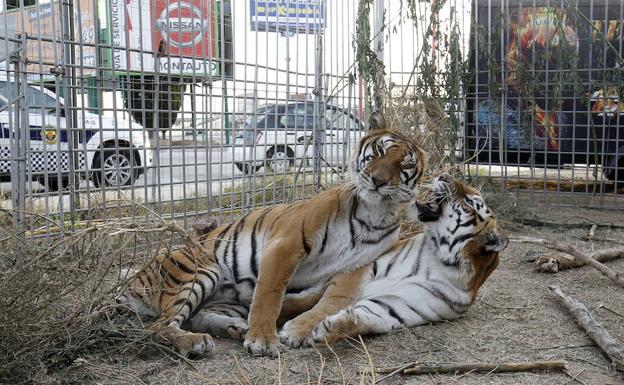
575, 225
613, 348
480, 367
614, 276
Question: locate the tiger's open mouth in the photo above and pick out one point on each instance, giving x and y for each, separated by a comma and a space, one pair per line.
429, 212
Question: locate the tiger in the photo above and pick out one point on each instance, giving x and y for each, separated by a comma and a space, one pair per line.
432, 276
248, 267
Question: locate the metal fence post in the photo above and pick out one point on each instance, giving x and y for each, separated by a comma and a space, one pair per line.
69, 90
318, 134
20, 136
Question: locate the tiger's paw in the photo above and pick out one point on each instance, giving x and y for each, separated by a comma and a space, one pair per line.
263, 345
237, 329
193, 343
296, 334
329, 331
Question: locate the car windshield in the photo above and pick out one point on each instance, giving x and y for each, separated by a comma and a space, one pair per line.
37, 99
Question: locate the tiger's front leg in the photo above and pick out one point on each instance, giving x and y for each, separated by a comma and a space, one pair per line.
341, 292
279, 263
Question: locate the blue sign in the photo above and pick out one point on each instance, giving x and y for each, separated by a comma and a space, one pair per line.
296, 16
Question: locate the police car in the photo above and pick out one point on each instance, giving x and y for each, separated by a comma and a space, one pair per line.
108, 151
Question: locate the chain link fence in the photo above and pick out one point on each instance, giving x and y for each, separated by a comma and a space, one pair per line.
195, 107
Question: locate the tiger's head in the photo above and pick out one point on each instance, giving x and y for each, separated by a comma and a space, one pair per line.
462, 227
388, 164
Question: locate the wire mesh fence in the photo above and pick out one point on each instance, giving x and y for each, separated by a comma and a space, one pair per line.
194, 107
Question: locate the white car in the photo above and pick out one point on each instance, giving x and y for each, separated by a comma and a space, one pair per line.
109, 151
278, 136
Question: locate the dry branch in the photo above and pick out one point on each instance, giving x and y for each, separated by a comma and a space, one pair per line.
570, 225
614, 276
613, 348
555, 262
432, 368
490, 368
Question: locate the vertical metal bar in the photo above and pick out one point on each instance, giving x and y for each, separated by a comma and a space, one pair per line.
318, 134
19, 152
69, 76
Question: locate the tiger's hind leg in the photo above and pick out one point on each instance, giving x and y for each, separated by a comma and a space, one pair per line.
193, 286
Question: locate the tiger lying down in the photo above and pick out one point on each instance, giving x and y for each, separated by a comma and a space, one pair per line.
432, 276
272, 260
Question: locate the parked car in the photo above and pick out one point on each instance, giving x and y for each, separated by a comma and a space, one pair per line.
111, 152
278, 136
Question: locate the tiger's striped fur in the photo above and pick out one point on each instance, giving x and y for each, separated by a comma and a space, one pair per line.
284, 250
432, 276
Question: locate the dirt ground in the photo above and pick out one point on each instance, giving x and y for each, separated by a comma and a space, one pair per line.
515, 318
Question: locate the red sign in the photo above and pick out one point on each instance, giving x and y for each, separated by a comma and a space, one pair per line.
184, 28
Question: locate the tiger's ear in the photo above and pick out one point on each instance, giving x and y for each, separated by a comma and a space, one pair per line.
204, 226
376, 121
494, 241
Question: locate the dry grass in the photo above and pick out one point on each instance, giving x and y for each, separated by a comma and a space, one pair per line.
59, 324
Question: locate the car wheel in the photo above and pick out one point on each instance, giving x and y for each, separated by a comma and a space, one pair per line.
615, 172
279, 159
247, 168
116, 168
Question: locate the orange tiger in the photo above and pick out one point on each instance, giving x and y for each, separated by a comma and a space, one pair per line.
282, 251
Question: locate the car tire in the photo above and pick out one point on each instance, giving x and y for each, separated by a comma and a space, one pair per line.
615, 172
116, 168
247, 168
279, 159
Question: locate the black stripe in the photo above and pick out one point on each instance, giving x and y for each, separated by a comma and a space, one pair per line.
375, 269
418, 312
391, 312
354, 205
416, 266
174, 279
254, 242
386, 234
454, 263
324, 242
220, 237
408, 252
210, 277
306, 247
441, 296
471, 222
181, 266
237, 231
184, 301
461, 238
368, 310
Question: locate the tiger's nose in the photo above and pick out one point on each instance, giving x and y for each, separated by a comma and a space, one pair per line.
379, 182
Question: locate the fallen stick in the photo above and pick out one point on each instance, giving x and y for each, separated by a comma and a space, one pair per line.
492, 368
574, 225
613, 275
555, 262
613, 348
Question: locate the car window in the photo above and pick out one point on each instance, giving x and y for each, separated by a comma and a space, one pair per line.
8, 92
298, 116
38, 100
339, 119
